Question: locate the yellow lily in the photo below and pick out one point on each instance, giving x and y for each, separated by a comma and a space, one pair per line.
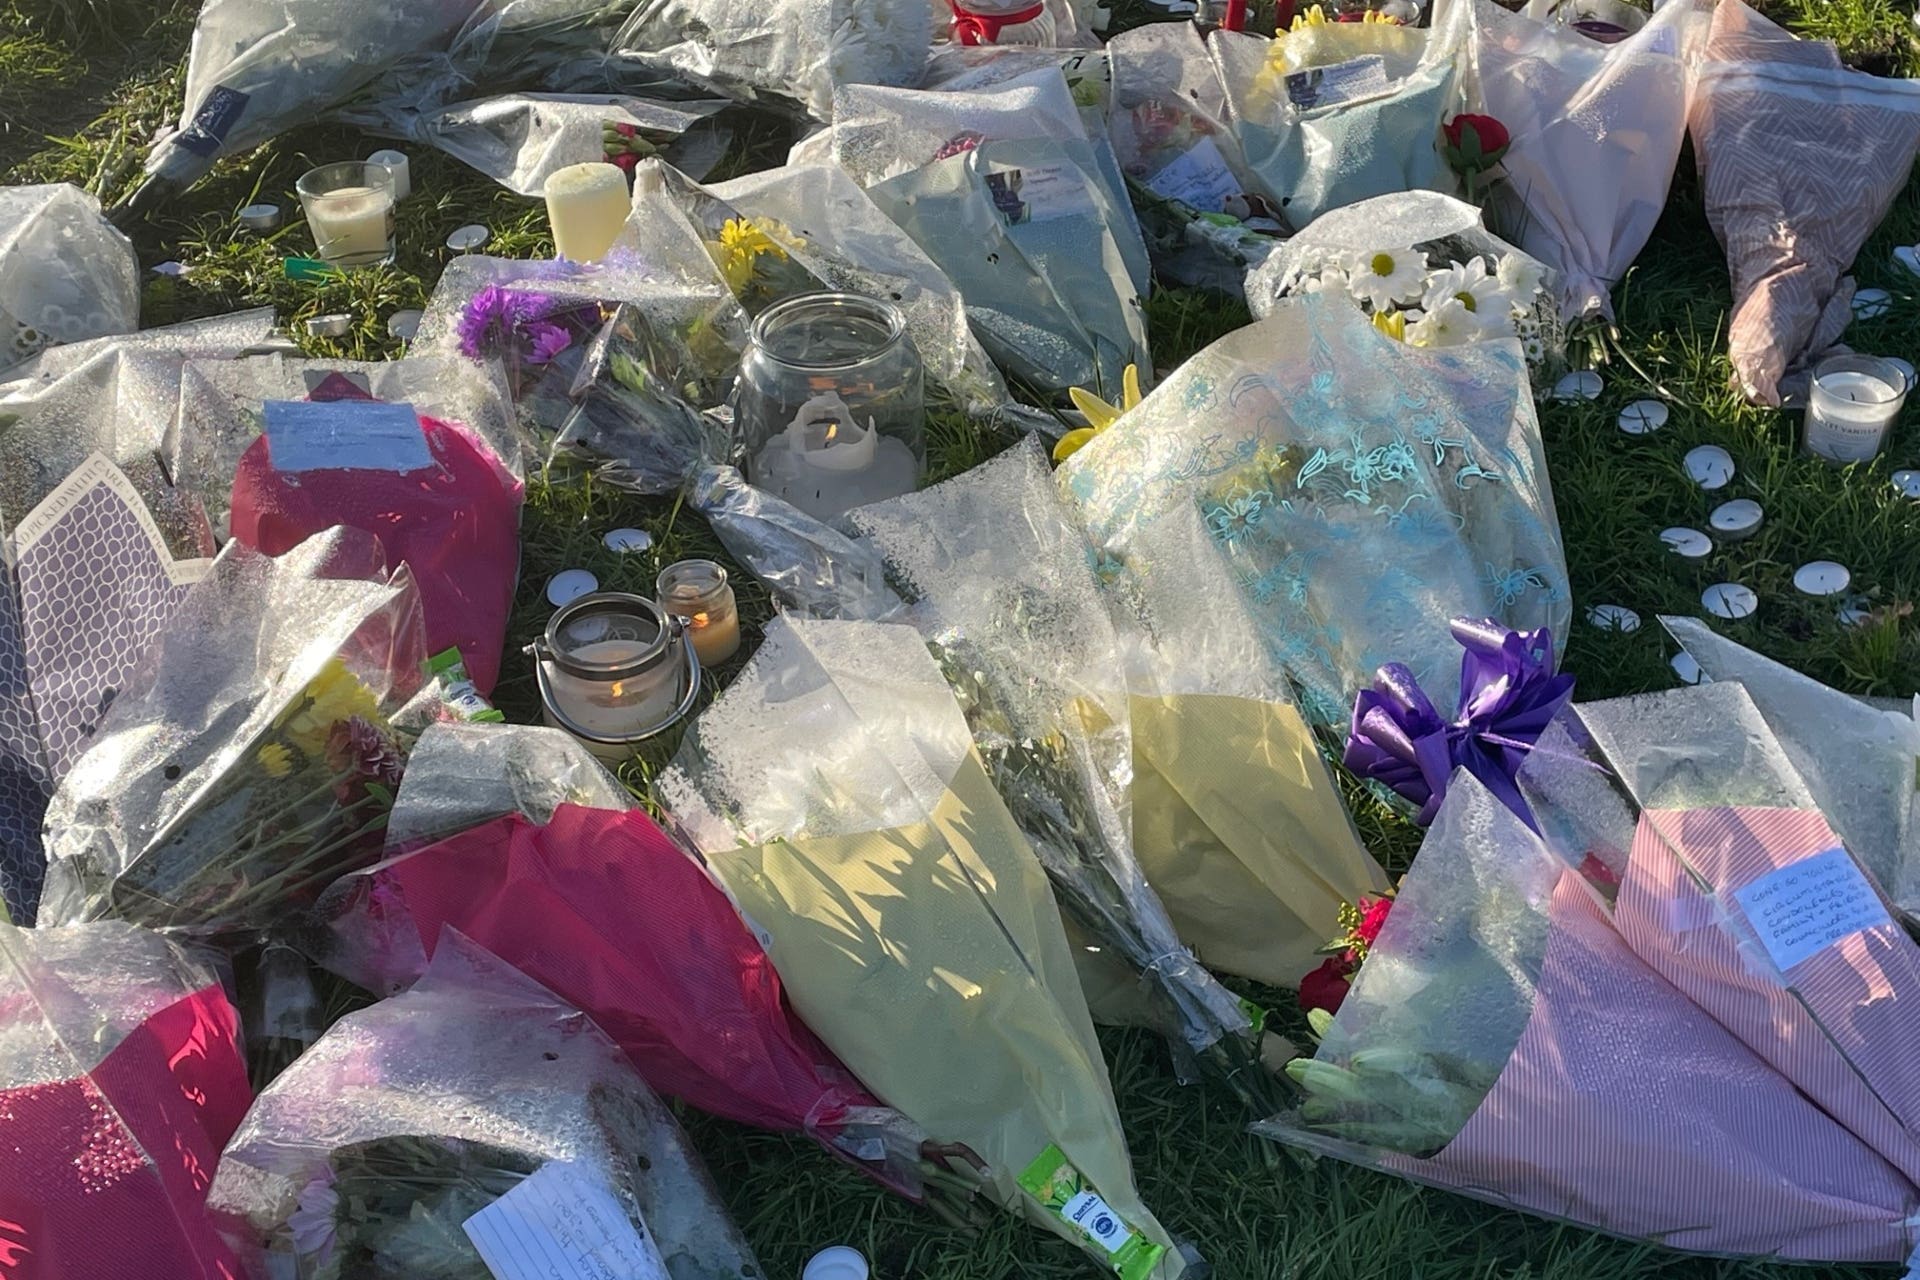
1099, 414
1391, 323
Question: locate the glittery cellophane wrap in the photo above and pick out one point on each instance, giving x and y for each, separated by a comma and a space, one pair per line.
65, 272
478, 1056
235, 658
1346, 494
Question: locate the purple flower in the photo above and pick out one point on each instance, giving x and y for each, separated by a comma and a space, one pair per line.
545, 340
363, 748
496, 315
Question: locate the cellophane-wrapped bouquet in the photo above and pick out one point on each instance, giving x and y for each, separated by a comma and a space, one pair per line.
1354, 492
1422, 266
997, 582
1331, 113
420, 1135
1506, 1039
65, 273
120, 1080
249, 762
833, 788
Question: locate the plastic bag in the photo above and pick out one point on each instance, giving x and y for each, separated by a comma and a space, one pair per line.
1356, 493
1596, 132
834, 790
461, 775
600, 905
248, 762
1328, 115
434, 494
120, 1080
393, 1147
792, 51
1503, 1041
65, 272
1800, 159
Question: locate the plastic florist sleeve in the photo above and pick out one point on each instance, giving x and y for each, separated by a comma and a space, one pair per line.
1800, 159
1738, 891
249, 762
1504, 1041
426, 1135
1331, 113
120, 1080
834, 790
1596, 132
65, 273
1005, 192
999, 586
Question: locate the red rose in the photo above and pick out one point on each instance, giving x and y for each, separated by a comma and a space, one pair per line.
1326, 986
1373, 915
626, 162
626, 130
1475, 143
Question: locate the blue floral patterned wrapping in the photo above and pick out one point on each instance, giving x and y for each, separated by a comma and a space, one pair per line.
1352, 493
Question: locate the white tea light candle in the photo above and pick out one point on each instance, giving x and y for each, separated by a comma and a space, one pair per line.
1582, 384
1871, 304
1730, 600
1735, 520
1854, 402
568, 585
1821, 578
613, 670
1710, 466
1687, 667
1907, 483
1688, 544
587, 204
402, 171
1642, 417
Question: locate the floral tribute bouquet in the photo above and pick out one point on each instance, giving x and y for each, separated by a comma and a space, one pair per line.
833, 788
250, 761
520, 840
1360, 924
419, 1135
1506, 1039
121, 1078
1330, 113
1424, 269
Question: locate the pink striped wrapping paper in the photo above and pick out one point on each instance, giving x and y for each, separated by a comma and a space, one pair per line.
1843, 1024
1627, 1109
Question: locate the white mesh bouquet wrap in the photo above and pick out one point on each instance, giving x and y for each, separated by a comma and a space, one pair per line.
1430, 259
65, 272
799, 51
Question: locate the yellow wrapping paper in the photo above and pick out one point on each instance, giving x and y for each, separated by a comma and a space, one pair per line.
979, 1035
1239, 827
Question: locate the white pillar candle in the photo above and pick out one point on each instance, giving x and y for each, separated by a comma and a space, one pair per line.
398, 166
1853, 404
587, 204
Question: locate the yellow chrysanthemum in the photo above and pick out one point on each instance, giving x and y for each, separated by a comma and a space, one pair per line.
1391, 323
1099, 414
330, 697
742, 242
275, 759
1318, 40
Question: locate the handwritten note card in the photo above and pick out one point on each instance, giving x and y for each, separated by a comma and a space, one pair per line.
562, 1224
1801, 910
1342, 82
1199, 176
367, 435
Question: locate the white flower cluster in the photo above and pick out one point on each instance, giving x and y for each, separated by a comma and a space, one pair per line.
1434, 306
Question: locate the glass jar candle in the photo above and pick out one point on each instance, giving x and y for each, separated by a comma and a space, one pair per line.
831, 403
614, 669
349, 208
1854, 402
697, 592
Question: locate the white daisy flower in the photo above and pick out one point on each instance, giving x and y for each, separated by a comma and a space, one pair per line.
1383, 277
1480, 294
1446, 324
1332, 279
1519, 276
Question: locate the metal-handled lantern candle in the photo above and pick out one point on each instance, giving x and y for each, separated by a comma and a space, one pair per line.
831, 403
614, 670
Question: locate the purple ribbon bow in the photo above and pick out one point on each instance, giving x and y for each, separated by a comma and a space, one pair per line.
1508, 696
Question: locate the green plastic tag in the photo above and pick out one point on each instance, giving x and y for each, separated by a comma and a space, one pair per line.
1060, 1187
307, 269
458, 692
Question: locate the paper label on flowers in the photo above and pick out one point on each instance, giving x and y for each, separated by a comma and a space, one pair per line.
562, 1224
1040, 194
1341, 82
1060, 1187
1801, 910
366, 435
1198, 176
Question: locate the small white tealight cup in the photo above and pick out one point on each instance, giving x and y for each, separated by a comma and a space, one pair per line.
1642, 417
840, 1262
1710, 466
1581, 384
1730, 600
396, 161
1821, 578
1735, 520
569, 585
1687, 668
1688, 544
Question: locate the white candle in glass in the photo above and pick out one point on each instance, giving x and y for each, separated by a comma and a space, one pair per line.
587, 204
616, 708
349, 208
826, 464
1854, 402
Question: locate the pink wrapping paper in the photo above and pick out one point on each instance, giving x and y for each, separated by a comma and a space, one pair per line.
1843, 1025
1626, 1108
106, 1174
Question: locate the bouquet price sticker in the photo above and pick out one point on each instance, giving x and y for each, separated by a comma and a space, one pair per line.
1801, 910
562, 1224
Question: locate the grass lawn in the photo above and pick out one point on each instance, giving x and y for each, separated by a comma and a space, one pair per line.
84, 84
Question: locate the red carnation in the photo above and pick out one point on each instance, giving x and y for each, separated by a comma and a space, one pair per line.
1326, 986
1373, 916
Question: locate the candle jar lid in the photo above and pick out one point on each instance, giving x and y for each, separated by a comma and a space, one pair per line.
690, 587
609, 616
